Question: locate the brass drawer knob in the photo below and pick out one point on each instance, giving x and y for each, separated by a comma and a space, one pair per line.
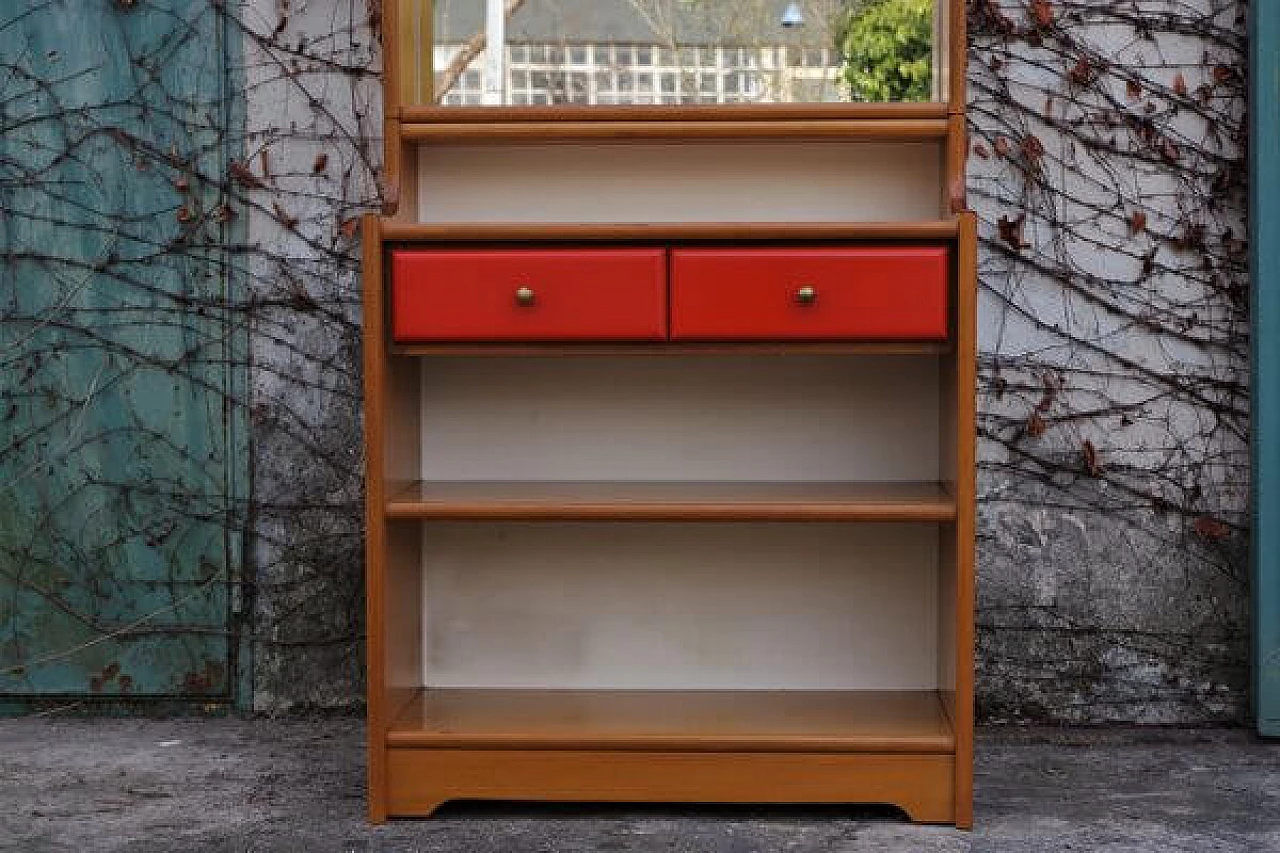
806, 295
524, 296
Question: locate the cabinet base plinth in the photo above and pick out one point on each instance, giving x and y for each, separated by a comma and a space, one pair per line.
420, 780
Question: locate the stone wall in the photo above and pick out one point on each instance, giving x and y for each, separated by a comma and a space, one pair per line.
1107, 168
1107, 171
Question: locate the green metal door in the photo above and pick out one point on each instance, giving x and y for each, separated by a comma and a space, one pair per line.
121, 455
1264, 239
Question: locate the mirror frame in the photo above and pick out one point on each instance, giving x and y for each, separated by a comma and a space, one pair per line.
407, 23
409, 124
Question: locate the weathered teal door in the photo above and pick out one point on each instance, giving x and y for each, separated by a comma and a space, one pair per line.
120, 428
1264, 238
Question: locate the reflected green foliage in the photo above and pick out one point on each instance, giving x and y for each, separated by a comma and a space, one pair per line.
887, 48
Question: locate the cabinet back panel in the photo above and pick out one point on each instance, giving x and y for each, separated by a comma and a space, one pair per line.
686, 182
680, 606
680, 418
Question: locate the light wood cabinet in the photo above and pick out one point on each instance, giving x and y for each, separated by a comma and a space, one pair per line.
663, 509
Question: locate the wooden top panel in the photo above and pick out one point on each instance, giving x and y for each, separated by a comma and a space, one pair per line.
930, 231
907, 129
713, 720
463, 114
674, 501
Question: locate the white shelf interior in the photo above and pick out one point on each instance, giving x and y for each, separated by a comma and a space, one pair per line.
681, 182
790, 418
680, 606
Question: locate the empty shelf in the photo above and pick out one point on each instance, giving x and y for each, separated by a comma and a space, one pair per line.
697, 720
674, 501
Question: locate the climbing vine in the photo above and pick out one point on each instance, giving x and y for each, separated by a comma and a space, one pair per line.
1107, 165
1107, 168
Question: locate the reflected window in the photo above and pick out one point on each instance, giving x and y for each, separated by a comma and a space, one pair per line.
684, 51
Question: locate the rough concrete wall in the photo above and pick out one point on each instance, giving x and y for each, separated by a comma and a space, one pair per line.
314, 115
1107, 171
1106, 166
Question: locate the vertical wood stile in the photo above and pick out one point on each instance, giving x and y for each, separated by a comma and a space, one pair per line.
392, 168
957, 49
954, 189
392, 33
424, 56
966, 490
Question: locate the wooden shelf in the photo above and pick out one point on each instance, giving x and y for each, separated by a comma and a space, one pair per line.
809, 129
673, 501
677, 720
581, 232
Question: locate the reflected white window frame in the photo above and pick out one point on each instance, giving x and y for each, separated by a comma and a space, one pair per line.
743, 75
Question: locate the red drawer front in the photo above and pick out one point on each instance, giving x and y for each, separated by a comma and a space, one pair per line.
863, 293
533, 295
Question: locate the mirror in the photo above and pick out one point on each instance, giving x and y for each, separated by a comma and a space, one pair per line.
682, 52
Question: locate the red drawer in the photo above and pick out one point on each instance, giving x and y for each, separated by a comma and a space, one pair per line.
867, 293
529, 295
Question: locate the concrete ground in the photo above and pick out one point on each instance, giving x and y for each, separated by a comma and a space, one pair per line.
69, 784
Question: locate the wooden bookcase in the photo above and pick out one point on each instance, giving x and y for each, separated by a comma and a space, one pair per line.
671, 509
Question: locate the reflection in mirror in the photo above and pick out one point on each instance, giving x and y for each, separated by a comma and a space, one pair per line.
625, 52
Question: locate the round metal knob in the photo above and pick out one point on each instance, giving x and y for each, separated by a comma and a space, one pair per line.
524, 296
806, 295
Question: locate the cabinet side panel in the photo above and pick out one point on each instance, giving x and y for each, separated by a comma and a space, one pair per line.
402, 430
392, 554
375, 523
960, 560
402, 629
957, 50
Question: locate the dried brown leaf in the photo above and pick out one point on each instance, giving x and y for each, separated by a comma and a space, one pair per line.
284, 218
1089, 453
242, 175
1213, 529
1011, 231
1033, 148
1081, 73
1041, 13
